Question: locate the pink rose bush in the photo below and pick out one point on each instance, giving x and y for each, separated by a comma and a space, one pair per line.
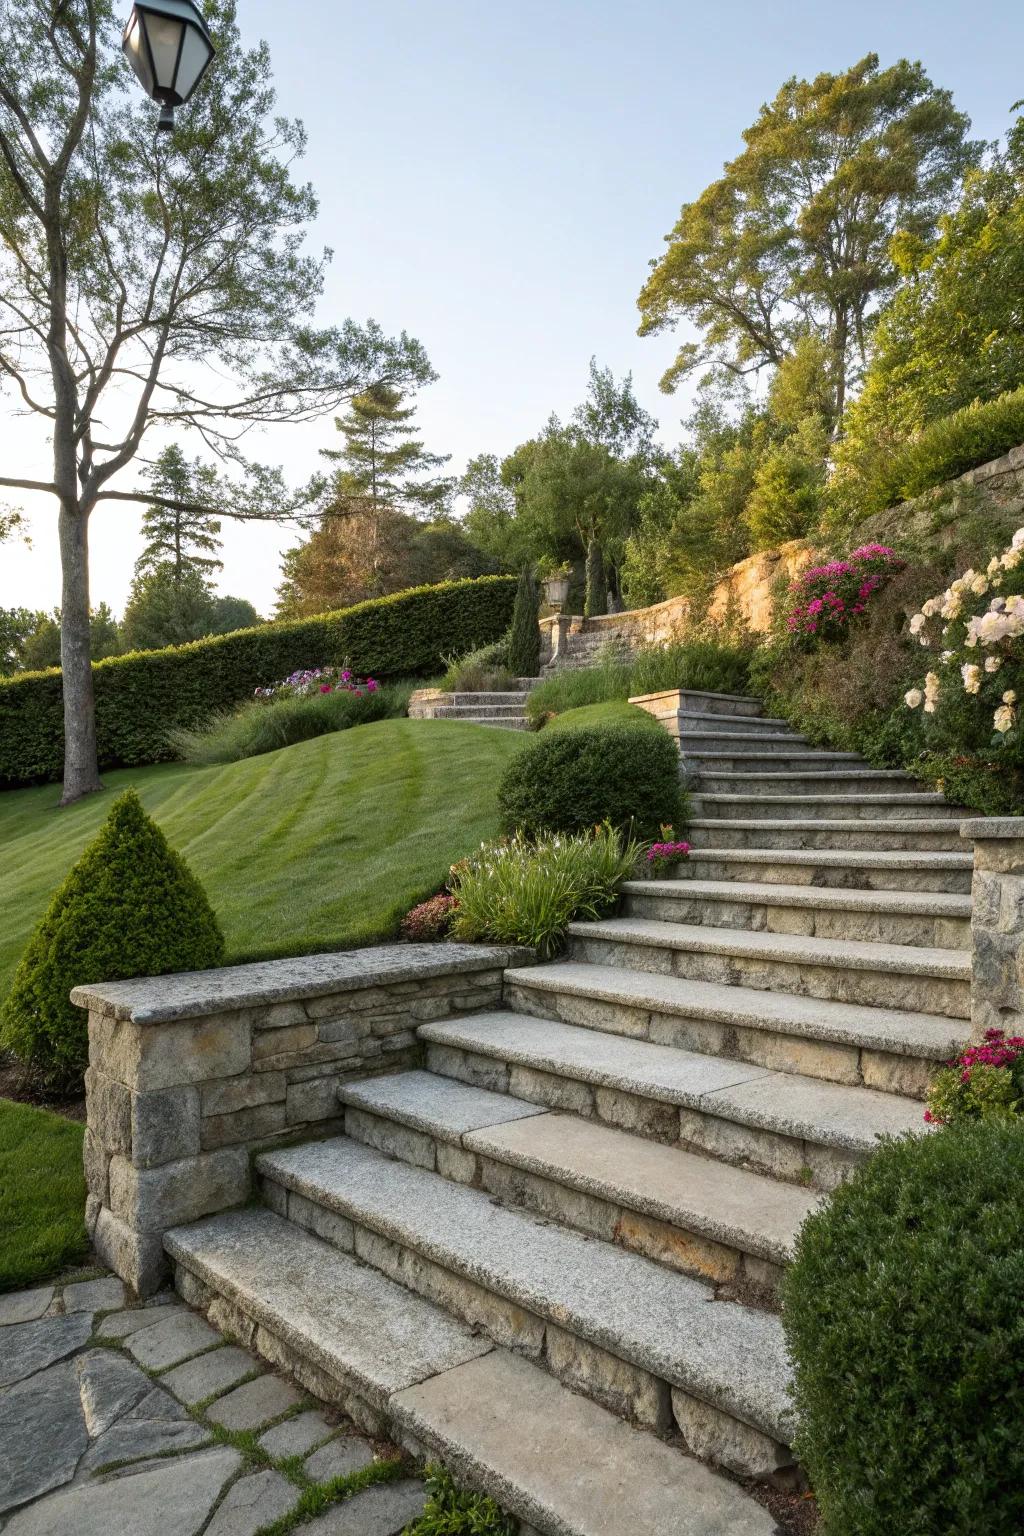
828, 598
976, 627
318, 680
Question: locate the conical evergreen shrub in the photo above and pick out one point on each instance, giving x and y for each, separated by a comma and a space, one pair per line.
524, 635
130, 907
597, 587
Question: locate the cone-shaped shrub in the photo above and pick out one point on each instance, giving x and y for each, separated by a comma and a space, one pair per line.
524, 636
597, 588
130, 907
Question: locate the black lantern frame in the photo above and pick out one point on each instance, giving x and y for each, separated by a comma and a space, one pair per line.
168, 70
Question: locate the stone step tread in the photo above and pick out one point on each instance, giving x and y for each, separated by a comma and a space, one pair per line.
664, 1322
347, 1318
807, 755
697, 1194
825, 1113
831, 776
895, 1031
792, 948
824, 897
860, 824
721, 719
852, 858
699, 693
564, 1465
911, 797
786, 739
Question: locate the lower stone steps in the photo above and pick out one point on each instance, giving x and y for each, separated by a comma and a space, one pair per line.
402, 1366
935, 835
889, 870
788, 1125
649, 1343
848, 780
890, 1049
691, 1213
723, 758
932, 919
936, 981
838, 805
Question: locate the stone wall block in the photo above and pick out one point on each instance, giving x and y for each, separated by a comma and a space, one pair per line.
281, 1015
96, 1162
138, 1257
284, 1041
338, 1031
150, 1200
149, 1056
228, 1094
108, 1106
255, 1124
165, 1126
314, 1100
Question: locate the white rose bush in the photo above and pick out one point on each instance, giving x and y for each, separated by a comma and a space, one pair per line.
970, 698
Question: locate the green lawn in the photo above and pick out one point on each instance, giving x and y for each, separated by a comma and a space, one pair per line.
318, 846
611, 712
42, 1194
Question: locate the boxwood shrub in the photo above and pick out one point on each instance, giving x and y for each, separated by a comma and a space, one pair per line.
141, 697
572, 780
904, 1321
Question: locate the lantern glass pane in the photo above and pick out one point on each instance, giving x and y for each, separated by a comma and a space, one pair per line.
164, 33
138, 58
194, 56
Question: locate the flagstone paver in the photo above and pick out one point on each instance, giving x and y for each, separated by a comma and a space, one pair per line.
100, 1432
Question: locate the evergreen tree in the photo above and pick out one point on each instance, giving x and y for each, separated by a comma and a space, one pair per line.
597, 588
181, 539
130, 907
383, 464
524, 635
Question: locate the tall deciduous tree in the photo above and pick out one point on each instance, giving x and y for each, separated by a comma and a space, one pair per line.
154, 280
795, 236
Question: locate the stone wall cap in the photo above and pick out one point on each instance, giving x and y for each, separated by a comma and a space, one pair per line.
1003, 827
692, 693
192, 994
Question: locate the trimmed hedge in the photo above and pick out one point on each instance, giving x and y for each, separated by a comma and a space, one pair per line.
903, 1317
141, 697
573, 780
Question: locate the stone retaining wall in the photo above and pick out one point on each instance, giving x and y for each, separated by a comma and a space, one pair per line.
189, 1074
997, 924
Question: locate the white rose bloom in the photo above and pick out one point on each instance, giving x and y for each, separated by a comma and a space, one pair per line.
1009, 697
992, 568
946, 656
929, 706
993, 663
930, 608
1017, 542
1011, 560
917, 623
972, 678
913, 699
1004, 719
979, 586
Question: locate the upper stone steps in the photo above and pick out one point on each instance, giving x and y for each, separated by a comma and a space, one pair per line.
933, 919
937, 834
692, 1213
887, 870
649, 1334
847, 781
710, 804
403, 1366
840, 970
888, 1048
792, 1126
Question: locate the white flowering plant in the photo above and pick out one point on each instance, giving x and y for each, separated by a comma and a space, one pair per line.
973, 693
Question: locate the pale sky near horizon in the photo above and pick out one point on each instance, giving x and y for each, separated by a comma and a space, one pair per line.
495, 178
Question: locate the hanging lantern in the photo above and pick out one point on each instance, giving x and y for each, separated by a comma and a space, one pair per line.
169, 47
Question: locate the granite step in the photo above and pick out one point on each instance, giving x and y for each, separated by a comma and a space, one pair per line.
929, 918
910, 834
846, 780
436, 1387
692, 719
699, 701
784, 1123
789, 806
936, 981
725, 758
689, 1212
894, 1050
891, 870
650, 1343
479, 709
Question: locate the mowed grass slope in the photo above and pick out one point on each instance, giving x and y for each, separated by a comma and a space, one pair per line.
318, 846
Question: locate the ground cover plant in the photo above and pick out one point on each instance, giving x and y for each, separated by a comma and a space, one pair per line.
903, 1320
320, 846
130, 907
705, 665
42, 1194
525, 890
572, 780
454, 1511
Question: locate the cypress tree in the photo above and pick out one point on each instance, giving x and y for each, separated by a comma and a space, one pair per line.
524, 635
130, 907
597, 588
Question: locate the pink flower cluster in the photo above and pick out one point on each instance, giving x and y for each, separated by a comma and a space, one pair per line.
998, 1050
830, 596
659, 854
318, 680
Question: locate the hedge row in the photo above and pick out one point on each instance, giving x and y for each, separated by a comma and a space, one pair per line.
948, 448
140, 697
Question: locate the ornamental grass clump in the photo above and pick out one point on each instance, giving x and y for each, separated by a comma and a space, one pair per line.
903, 1319
985, 1082
828, 598
130, 907
520, 891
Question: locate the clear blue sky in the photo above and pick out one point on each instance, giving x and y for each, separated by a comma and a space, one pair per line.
495, 179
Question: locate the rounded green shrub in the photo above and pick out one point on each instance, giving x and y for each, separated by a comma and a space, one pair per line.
572, 780
130, 907
904, 1321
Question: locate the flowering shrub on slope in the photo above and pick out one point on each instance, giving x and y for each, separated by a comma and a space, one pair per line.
985, 1082
318, 680
972, 693
828, 597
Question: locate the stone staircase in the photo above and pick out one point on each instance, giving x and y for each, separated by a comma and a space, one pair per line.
551, 1255
506, 710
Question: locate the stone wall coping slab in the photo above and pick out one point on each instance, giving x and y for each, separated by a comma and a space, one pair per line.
193, 994
1003, 828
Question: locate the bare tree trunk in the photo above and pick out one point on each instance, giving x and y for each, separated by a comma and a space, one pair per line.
81, 773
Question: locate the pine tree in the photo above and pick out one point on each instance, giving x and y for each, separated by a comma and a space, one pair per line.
524, 635
597, 588
180, 544
383, 463
130, 907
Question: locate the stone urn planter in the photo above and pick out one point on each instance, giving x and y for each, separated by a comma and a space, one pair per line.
556, 591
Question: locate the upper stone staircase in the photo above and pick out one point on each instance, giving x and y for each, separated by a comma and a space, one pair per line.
506, 710
551, 1256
